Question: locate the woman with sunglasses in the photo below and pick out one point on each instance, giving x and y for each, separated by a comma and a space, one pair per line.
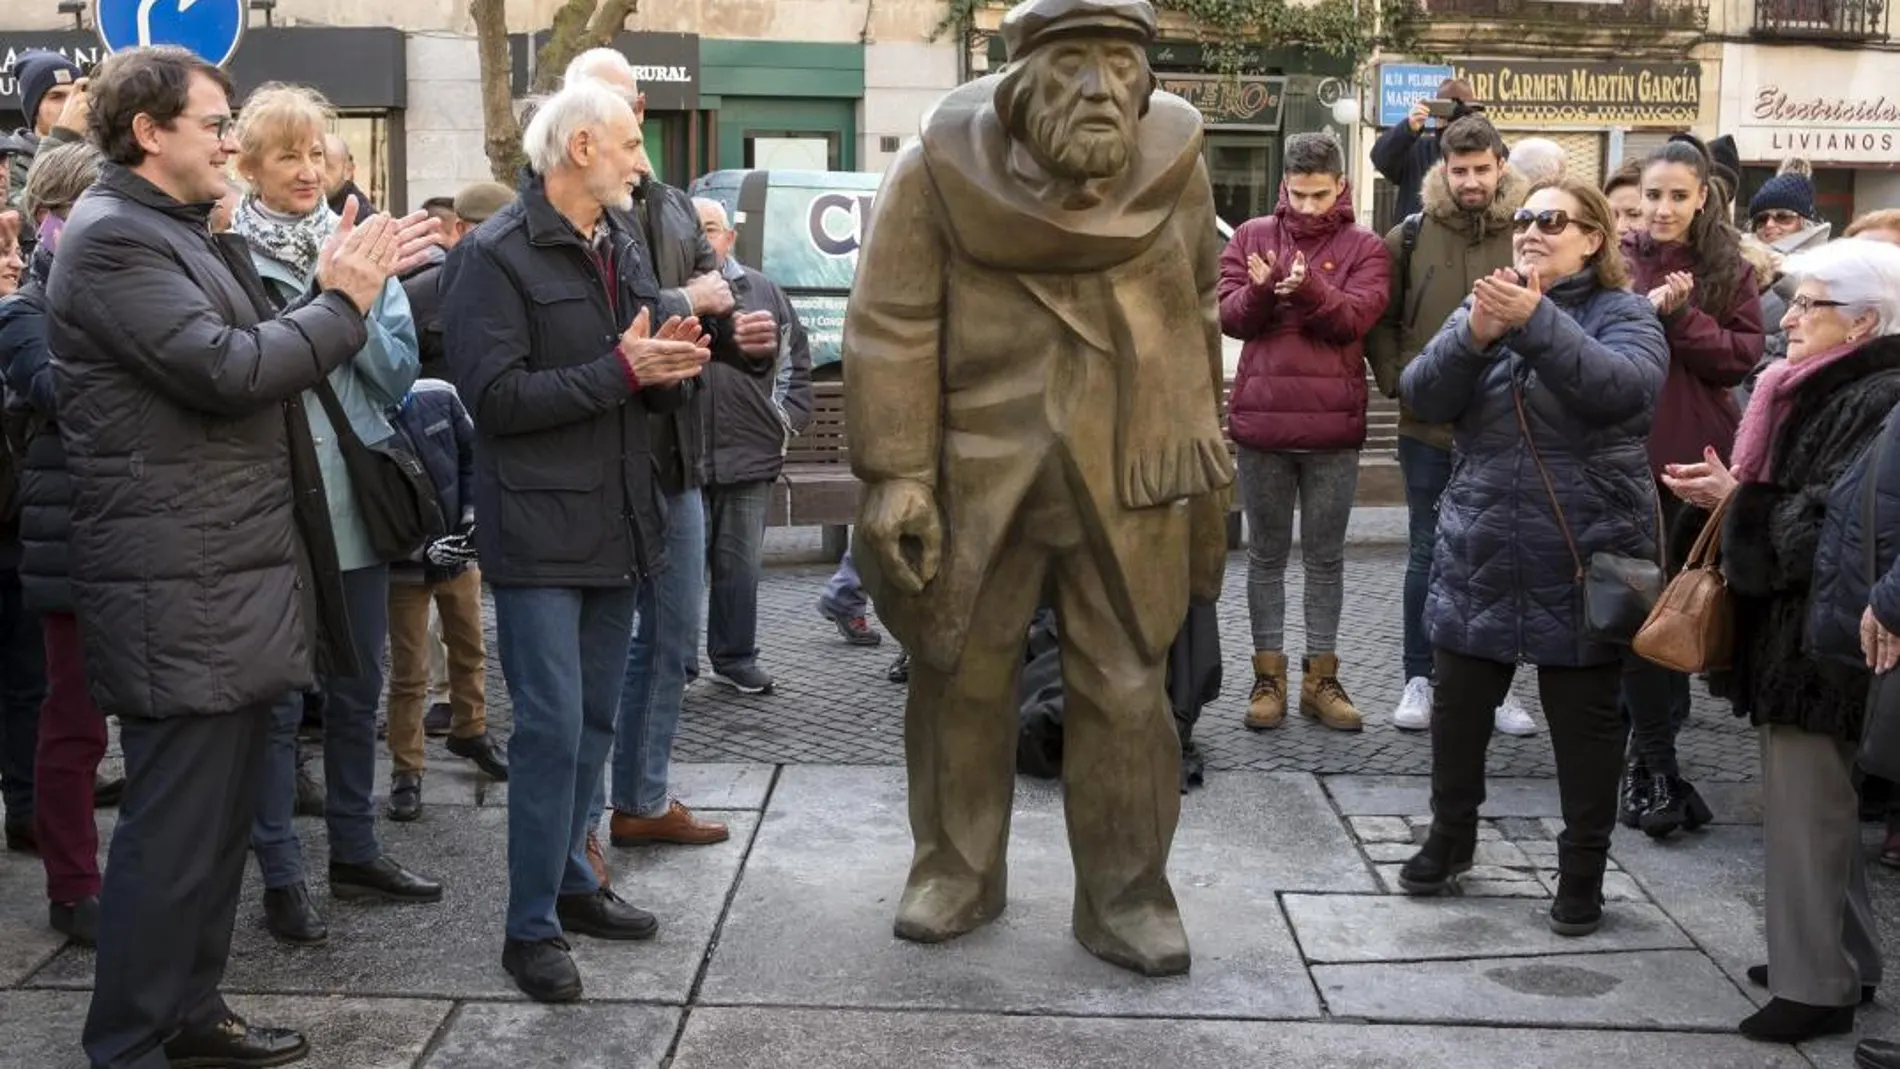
1550, 375
1689, 262
1792, 546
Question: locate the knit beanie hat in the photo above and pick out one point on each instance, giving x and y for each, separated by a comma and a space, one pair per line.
1790, 190
38, 72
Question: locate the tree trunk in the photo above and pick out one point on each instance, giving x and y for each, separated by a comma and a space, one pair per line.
502, 134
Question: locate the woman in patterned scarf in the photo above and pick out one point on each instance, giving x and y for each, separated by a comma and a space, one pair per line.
285, 220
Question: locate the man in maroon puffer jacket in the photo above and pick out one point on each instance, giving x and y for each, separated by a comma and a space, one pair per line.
1302, 288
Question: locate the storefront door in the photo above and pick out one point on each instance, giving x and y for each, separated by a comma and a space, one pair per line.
1242, 167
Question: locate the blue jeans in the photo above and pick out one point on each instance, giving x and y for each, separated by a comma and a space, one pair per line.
654, 670
1427, 470
22, 689
735, 553
349, 748
844, 594
563, 652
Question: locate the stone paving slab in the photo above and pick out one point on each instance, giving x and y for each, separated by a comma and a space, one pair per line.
1713, 886
502, 1035
830, 864
1670, 989
25, 940
1376, 797
1351, 928
451, 781
452, 949
41, 1029
837, 1039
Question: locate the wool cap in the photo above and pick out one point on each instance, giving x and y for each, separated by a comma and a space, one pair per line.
38, 72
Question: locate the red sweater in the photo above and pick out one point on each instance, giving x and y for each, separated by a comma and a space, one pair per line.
1708, 355
1302, 377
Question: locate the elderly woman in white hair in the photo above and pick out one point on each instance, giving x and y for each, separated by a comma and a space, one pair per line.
1789, 543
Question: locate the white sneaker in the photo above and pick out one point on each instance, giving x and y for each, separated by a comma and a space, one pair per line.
1415, 706
1513, 718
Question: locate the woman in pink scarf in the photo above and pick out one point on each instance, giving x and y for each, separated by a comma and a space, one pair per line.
1808, 424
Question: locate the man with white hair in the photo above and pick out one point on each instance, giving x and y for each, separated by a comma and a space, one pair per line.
687, 267
1538, 159
555, 342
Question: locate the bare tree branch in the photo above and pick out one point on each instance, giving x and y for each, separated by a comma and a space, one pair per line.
610, 20
501, 133
567, 37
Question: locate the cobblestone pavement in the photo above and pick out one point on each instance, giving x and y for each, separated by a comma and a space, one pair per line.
833, 705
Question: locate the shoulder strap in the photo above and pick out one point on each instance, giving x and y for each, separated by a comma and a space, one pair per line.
1550, 488
339, 420
1408, 240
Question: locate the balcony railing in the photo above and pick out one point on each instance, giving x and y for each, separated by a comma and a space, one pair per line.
1662, 14
1852, 20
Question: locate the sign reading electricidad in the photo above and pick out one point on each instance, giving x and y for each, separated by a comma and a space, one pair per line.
211, 29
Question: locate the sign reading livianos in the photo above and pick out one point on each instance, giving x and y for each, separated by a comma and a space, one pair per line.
1826, 106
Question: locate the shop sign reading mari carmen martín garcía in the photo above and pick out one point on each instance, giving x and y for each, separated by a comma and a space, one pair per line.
1585, 93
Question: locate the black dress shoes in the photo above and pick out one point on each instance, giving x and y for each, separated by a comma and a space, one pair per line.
233, 1044
479, 749
405, 796
1787, 1021
604, 915
1877, 1054
21, 839
543, 970
106, 793
1758, 975
1635, 792
381, 878
77, 921
291, 915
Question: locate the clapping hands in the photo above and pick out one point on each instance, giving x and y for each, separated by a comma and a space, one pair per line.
1673, 293
1500, 304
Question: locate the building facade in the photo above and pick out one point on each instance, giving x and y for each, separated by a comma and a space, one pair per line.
804, 84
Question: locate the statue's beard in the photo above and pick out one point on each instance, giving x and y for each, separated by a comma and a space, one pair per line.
1079, 154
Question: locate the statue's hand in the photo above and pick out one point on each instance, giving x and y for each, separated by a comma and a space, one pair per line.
902, 527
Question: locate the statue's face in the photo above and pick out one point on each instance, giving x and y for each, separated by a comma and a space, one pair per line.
1083, 103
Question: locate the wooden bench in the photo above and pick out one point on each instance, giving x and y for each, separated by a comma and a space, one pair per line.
817, 488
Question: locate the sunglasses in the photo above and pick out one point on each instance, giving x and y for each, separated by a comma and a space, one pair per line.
1779, 217
1551, 221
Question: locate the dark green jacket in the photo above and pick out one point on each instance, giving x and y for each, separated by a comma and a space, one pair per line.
1455, 248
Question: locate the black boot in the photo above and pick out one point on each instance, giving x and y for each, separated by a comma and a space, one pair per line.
1674, 803
1578, 908
291, 916
78, 921
1432, 869
1635, 792
405, 796
1787, 1021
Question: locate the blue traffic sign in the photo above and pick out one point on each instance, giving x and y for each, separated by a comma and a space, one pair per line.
1402, 85
209, 28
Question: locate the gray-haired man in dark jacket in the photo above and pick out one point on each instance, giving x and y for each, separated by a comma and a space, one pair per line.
203, 568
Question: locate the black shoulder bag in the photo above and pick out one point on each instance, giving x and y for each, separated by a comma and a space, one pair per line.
1880, 725
393, 489
1618, 591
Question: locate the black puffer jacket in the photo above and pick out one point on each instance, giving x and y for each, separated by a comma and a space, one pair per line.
752, 408
565, 488
679, 252
46, 490
1770, 548
203, 569
1590, 364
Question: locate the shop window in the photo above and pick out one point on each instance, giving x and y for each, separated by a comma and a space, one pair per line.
368, 136
793, 151
1241, 167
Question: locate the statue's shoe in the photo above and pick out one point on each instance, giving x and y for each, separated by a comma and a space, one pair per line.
1147, 939
939, 909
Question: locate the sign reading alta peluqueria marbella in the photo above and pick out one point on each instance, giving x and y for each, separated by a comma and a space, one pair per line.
1558, 92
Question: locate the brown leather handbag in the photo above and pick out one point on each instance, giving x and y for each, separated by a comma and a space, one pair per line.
1692, 627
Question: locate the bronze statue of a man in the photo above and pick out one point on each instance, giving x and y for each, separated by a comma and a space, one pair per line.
1032, 364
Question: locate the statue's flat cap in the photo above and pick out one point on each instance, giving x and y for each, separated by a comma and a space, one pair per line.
1033, 22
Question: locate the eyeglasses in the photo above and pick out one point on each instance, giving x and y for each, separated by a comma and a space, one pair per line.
1779, 217
1551, 221
217, 125
1803, 304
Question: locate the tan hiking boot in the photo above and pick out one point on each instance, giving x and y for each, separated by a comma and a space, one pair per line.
1266, 706
1321, 696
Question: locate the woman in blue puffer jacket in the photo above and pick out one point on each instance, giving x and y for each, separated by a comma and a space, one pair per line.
1575, 361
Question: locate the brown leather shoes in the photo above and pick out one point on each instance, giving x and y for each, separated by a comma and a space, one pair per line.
597, 858
678, 825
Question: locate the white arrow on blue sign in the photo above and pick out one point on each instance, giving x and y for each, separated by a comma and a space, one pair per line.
209, 28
